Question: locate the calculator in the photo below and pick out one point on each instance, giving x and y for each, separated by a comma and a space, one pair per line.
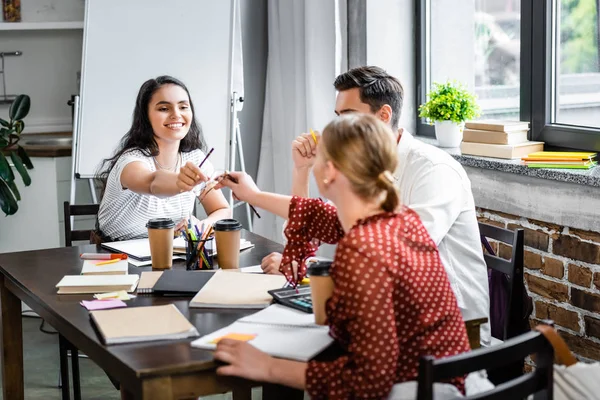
300, 299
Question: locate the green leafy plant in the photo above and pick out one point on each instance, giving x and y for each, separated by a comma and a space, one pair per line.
449, 101
10, 133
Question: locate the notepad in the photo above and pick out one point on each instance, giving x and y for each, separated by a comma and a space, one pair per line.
83, 284
90, 267
147, 281
233, 289
279, 331
142, 324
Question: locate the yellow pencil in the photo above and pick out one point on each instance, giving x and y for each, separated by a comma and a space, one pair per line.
312, 133
116, 260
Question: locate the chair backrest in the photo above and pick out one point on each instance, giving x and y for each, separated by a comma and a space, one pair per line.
513, 270
82, 209
539, 382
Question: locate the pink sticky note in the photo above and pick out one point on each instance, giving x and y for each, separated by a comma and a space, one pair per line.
102, 304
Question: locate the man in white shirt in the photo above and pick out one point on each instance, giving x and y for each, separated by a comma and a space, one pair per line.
430, 182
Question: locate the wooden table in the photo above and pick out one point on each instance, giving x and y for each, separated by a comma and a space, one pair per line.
151, 370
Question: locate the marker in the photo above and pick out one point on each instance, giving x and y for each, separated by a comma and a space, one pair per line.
312, 133
103, 256
116, 260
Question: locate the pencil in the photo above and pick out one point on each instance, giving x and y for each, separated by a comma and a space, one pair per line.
116, 260
232, 179
206, 157
312, 133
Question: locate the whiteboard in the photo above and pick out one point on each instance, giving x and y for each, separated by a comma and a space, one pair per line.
128, 42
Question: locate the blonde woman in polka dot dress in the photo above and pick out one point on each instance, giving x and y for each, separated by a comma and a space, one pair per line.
392, 301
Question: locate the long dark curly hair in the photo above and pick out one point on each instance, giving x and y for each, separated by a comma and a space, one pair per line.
141, 136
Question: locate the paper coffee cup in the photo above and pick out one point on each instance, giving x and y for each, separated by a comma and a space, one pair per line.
227, 236
321, 289
160, 235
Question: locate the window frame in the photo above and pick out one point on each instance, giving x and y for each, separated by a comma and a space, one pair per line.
536, 77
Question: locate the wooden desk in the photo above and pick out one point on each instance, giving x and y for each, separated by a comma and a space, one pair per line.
152, 370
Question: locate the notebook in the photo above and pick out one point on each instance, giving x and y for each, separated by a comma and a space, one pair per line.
139, 249
142, 324
90, 267
277, 330
181, 283
83, 284
147, 281
233, 289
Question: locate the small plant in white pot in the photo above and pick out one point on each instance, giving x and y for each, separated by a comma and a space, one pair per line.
449, 106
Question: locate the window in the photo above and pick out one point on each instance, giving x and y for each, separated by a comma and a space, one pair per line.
578, 64
536, 61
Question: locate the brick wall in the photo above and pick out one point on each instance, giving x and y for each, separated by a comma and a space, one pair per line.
562, 275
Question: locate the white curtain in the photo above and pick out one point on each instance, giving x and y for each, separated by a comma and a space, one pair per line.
305, 56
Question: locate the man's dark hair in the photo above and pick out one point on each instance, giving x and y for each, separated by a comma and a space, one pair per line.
376, 88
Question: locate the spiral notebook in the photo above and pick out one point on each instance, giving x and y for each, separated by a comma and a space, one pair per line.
147, 281
276, 330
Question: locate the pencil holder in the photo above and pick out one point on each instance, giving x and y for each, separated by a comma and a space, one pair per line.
197, 255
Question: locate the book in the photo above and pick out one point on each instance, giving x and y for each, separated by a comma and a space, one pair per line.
494, 137
562, 162
277, 330
500, 150
559, 156
147, 281
90, 267
498, 125
181, 283
142, 324
561, 166
233, 289
84, 284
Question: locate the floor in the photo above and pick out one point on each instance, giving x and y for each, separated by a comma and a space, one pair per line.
42, 368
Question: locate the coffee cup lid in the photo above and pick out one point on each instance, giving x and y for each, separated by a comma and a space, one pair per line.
224, 225
160, 223
319, 268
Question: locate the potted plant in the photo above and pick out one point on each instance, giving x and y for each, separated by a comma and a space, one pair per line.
449, 106
10, 133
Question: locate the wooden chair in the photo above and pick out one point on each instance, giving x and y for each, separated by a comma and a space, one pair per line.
73, 210
64, 345
539, 383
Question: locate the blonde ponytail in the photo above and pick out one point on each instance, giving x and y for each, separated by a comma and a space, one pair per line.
387, 183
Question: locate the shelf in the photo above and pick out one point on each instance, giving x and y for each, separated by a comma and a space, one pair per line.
39, 26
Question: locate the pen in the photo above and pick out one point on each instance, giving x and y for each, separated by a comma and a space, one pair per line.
103, 256
116, 260
206, 157
312, 133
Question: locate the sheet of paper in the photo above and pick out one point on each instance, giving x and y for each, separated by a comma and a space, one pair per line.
102, 304
254, 269
137, 263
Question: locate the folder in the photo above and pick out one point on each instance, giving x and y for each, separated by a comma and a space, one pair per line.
181, 283
233, 289
142, 324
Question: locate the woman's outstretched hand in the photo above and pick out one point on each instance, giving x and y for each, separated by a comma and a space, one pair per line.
189, 177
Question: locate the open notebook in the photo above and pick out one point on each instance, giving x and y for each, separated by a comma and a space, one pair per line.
142, 324
233, 289
83, 284
277, 330
139, 249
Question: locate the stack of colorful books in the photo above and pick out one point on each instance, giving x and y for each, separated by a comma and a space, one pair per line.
560, 159
499, 139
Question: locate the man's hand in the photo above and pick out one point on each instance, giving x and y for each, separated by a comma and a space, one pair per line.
270, 264
304, 150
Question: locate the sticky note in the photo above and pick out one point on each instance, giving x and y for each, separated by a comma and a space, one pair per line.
121, 295
244, 337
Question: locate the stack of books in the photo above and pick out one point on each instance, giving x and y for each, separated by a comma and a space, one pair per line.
499, 139
560, 159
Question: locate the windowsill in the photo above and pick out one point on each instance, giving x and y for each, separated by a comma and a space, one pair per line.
589, 177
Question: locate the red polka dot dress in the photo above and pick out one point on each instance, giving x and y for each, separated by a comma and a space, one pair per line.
392, 301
